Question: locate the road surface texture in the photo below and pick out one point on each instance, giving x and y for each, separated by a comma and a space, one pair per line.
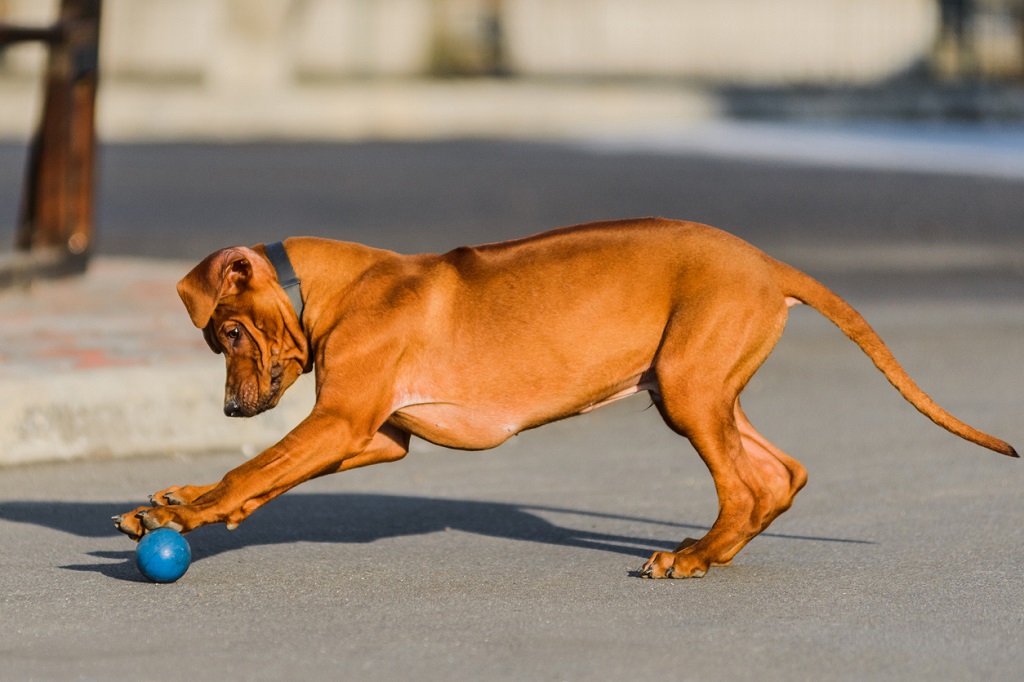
902, 559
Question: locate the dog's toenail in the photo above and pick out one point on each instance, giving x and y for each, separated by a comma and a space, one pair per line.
670, 572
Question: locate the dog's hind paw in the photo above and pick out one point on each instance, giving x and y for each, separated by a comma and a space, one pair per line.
672, 565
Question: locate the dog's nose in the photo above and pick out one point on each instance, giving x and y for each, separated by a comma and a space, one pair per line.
232, 408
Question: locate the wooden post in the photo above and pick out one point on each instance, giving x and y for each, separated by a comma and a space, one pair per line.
55, 225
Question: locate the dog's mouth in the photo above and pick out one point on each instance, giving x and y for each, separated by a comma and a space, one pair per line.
269, 399
239, 407
273, 393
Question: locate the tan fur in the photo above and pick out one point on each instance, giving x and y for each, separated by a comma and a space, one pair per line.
468, 348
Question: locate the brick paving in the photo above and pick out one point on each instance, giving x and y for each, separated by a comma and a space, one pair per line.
121, 313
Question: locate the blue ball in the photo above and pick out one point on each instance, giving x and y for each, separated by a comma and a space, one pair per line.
163, 555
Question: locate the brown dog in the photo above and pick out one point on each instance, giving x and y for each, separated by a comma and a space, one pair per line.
468, 348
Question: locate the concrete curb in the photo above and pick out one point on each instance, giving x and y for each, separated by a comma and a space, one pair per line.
124, 412
108, 365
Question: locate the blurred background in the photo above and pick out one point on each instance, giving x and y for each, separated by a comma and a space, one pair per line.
357, 68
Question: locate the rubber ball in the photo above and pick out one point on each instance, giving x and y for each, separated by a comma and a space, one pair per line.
163, 555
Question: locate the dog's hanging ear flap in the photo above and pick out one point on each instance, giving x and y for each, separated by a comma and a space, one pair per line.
223, 273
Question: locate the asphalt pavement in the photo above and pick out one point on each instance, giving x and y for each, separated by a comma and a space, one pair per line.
900, 560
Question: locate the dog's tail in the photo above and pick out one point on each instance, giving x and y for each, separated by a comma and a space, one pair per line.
804, 288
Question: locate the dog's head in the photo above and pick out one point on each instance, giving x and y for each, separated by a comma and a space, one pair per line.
234, 297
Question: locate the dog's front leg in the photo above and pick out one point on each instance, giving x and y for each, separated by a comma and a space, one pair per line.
319, 445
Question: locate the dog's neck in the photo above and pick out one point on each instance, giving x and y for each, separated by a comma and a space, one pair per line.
328, 269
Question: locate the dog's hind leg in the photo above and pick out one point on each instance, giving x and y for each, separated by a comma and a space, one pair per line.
789, 476
784, 476
705, 361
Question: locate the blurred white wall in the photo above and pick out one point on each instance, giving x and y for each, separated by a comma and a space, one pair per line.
725, 41
269, 43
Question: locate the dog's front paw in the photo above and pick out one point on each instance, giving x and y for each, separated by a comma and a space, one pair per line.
136, 523
178, 494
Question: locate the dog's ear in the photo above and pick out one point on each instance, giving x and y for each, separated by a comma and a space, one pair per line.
223, 273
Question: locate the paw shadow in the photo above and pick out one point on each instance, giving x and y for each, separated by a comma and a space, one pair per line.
354, 518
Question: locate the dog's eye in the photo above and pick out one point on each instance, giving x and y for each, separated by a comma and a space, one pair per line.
233, 333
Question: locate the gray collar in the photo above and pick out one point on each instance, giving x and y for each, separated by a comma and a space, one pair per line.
286, 276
